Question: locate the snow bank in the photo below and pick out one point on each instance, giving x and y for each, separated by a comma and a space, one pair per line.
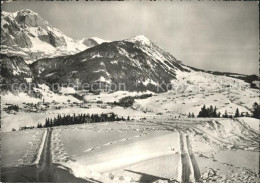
41, 148
252, 122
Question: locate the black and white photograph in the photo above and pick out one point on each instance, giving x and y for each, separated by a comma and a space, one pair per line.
130, 91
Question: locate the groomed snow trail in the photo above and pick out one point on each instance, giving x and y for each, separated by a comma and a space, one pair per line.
45, 172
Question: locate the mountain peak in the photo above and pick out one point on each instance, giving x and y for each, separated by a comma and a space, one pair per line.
24, 12
30, 18
98, 40
141, 39
27, 11
28, 35
5, 13
93, 41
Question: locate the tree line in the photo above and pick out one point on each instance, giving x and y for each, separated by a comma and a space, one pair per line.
212, 112
12, 107
80, 119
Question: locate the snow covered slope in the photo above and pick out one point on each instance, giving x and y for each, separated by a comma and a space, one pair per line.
191, 90
14, 71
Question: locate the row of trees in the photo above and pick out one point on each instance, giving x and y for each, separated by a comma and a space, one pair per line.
12, 107
209, 112
212, 112
191, 115
80, 119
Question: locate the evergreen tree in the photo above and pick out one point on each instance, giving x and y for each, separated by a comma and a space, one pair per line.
237, 114
256, 110
225, 115
189, 115
92, 118
203, 112
215, 112
47, 123
39, 125
210, 111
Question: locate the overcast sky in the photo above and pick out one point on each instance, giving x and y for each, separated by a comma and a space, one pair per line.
220, 36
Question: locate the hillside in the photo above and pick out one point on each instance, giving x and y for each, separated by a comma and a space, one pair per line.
127, 61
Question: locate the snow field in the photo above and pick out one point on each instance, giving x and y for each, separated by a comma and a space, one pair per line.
138, 150
185, 103
213, 170
20, 147
32, 118
240, 158
215, 161
252, 122
108, 152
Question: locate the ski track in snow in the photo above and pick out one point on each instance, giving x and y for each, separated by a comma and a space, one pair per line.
114, 142
41, 147
188, 169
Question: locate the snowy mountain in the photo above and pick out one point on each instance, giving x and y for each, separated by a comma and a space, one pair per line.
26, 34
137, 60
138, 63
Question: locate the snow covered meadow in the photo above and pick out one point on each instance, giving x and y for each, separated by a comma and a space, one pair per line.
150, 150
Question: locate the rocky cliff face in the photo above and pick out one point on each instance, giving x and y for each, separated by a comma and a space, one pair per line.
26, 34
29, 18
15, 74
